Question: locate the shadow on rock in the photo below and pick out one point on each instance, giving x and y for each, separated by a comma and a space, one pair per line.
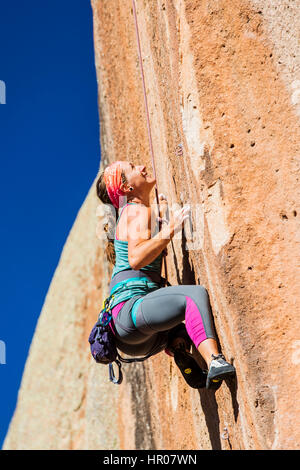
210, 409
208, 400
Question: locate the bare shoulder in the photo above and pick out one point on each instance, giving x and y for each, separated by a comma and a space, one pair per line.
138, 223
139, 214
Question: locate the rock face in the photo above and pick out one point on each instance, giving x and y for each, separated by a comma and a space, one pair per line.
223, 78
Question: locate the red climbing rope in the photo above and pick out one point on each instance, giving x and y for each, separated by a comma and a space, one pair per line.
147, 116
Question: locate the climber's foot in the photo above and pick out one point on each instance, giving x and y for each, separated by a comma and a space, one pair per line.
219, 370
192, 373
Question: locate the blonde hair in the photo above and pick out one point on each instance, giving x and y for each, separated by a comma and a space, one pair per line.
104, 197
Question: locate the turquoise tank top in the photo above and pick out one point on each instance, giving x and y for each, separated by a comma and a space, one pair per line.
128, 288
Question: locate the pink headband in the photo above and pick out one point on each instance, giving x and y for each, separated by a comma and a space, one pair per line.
113, 180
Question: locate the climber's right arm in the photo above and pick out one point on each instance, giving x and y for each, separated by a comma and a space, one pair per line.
142, 249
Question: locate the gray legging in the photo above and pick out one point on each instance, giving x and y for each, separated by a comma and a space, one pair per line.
159, 318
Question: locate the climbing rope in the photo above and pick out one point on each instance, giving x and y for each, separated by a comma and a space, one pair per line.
147, 117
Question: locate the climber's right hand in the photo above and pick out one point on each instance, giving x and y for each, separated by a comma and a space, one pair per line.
177, 219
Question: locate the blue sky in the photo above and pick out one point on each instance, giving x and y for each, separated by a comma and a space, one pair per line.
50, 154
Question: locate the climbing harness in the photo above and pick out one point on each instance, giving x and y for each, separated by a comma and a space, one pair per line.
102, 343
132, 273
147, 116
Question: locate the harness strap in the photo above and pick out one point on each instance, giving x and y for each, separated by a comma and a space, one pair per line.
130, 273
119, 380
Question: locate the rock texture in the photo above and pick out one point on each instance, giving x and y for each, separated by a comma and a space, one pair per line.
223, 78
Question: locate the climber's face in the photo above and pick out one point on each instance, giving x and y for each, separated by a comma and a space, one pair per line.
138, 178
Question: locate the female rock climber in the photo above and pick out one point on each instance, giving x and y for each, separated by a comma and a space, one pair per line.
146, 317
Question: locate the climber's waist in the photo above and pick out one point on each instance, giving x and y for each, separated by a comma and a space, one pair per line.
132, 273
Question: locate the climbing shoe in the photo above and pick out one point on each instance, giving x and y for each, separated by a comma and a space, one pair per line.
194, 376
219, 370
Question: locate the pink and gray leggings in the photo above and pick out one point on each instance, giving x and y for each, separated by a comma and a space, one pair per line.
159, 319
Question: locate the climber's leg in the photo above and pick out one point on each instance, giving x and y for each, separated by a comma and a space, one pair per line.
198, 320
219, 369
178, 346
207, 348
165, 308
162, 309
